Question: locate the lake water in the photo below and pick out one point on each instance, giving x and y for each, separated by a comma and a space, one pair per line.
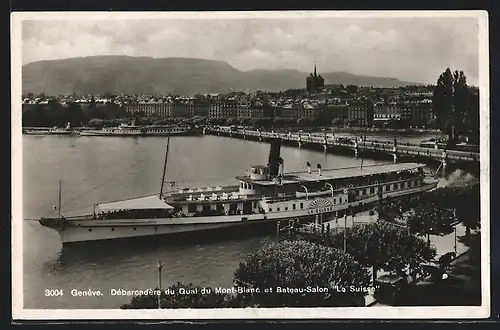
97, 169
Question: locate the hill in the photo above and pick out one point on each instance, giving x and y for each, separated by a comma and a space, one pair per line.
137, 75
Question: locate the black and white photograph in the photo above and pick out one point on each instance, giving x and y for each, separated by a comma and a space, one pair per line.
250, 165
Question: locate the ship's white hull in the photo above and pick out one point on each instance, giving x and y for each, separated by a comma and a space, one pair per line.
96, 230
97, 133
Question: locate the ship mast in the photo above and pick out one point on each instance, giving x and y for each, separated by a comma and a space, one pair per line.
164, 166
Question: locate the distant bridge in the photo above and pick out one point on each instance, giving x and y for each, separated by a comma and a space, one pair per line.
328, 142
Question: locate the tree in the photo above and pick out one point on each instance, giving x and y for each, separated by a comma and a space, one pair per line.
450, 103
181, 296
351, 89
302, 268
468, 208
303, 122
439, 210
96, 122
337, 122
382, 245
232, 121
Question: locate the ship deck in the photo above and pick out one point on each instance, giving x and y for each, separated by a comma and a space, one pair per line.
336, 174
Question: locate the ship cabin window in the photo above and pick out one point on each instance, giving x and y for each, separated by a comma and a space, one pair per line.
191, 208
367, 191
301, 205
206, 207
395, 186
278, 209
293, 206
270, 209
388, 187
372, 190
361, 192
286, 208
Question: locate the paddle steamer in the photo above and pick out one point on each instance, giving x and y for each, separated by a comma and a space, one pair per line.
264, 195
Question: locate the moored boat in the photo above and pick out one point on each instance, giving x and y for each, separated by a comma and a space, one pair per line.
264, 195
122, 130
48, 131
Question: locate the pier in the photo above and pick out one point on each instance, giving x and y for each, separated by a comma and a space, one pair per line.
374, 148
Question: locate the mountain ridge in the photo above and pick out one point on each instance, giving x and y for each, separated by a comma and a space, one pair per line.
176, 75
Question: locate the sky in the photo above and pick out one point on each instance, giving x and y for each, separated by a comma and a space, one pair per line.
410, 49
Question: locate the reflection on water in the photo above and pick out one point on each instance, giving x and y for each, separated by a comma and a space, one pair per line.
85, 163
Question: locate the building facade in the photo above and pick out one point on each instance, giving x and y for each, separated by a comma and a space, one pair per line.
223, 110
408, 114
360, 113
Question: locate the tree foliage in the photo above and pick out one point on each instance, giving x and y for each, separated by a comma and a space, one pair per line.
299, 265
455, 105
382, 245
56, 114
438, 210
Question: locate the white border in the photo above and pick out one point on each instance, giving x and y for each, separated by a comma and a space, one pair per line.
18, 311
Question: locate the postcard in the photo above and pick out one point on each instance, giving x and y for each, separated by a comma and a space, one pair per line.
250, 165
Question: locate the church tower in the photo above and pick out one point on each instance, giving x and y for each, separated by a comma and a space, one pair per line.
314, 82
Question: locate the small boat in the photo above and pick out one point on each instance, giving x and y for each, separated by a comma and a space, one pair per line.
264, 195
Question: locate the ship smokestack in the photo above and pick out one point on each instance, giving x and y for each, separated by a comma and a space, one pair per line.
308, 167
319, 169
274, 156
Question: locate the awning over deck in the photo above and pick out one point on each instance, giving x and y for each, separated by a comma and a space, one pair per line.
141, 203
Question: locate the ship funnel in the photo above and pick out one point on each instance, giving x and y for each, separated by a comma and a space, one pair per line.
274, 156
308, 167
319, 169
281, 163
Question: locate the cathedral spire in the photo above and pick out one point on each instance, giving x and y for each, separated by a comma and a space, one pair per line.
315, 69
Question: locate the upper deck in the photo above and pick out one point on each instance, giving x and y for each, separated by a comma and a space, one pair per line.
335, 174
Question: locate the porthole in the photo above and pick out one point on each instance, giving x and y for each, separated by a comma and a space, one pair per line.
135, 228
90, 229
112, 229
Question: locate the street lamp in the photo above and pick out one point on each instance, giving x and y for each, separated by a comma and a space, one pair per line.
160, 266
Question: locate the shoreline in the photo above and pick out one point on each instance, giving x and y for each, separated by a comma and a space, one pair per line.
371, 130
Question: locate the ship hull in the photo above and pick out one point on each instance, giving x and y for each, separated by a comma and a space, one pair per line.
99, 230
109, 134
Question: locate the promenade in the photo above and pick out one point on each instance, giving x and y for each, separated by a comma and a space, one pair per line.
454, 242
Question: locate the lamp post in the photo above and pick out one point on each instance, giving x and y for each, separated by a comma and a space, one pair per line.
277, 231
159, 282
345, 232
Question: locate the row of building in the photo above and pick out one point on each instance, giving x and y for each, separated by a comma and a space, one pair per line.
413, 114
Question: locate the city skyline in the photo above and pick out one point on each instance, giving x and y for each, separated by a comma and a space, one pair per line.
413, 49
